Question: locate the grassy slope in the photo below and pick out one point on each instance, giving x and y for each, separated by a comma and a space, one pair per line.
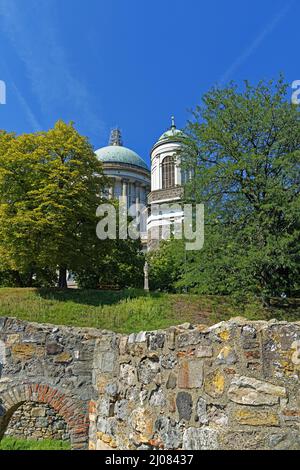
130, 310
9, 443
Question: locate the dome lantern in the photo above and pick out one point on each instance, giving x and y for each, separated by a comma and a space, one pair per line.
116, 137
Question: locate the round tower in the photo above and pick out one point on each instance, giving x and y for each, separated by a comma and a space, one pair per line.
167, 179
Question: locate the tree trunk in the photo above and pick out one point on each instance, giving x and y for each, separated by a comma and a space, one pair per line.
62, 280
30, 279
18, 279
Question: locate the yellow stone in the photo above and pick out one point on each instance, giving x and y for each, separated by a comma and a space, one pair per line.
101, 384
102, 446
256, 417
224, 335
215, 384
63, 357
106, 438
143, 423
12, 339
24, 351
296, 353
225, 351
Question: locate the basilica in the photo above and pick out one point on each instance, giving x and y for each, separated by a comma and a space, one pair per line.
162, 184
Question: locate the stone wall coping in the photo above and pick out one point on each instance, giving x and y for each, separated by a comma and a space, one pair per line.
186, 327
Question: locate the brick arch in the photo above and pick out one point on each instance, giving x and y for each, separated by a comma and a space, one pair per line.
72, 410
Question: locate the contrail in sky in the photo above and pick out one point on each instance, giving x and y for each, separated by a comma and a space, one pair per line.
256, 43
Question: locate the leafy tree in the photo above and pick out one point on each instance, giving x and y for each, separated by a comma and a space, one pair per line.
244, 148
112, 263
167, 265
50, 186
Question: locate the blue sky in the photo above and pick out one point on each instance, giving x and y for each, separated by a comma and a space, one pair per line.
134, 63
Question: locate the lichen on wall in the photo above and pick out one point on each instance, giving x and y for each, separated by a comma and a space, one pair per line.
234, 385
231, 386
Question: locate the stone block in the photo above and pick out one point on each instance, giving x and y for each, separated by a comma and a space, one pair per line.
140, 337
105, 361
226, 356
121, 409
148, 368
172, 381
156, 341
204, 351
169, 432
296, 352
215, 384
12, 339
63, 358
257, 417
203, 438
190, 374
201, 412
123, 345
158, 398
127, 374
142, 422
184, 405
112, 389
25, 351
169, 361
53, 348
285, 441
249, 391
189, 338
105, 408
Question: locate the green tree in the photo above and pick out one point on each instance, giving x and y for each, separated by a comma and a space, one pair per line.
50, 186
244, 149
112, 262
167, 265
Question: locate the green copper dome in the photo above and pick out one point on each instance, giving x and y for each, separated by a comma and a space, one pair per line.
120, 154
172, 132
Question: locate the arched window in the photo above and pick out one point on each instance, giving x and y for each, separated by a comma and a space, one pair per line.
168, 173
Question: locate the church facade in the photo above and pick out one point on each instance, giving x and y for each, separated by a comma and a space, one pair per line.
159, 188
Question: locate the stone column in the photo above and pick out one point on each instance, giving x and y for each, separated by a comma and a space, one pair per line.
124, 188
142, 194
160, 182
137, 193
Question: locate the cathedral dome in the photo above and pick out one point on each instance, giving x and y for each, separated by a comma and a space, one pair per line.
120, 154
172, 132
116, 153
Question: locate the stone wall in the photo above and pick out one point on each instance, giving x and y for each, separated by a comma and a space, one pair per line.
231, 386
234, 385
37, 421
50, 365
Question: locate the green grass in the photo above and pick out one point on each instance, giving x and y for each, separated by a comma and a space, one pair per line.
132, 310
10, 443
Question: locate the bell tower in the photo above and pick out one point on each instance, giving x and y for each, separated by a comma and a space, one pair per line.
166, 185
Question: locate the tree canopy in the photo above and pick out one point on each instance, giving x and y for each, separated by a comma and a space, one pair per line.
51, 184
244, 149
